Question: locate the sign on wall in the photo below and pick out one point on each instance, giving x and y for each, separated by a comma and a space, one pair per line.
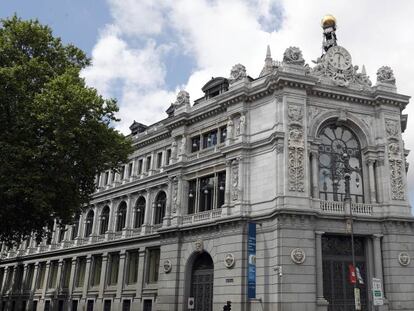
377, 292
251, 250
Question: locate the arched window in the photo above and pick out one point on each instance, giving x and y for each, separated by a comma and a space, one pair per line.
339, 154
121, 216
104, 220
89, 223
75, 227
160, 202
139, 212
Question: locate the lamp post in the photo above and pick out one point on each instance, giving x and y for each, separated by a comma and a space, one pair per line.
347, 204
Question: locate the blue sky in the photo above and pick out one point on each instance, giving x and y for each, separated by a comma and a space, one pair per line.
145, 51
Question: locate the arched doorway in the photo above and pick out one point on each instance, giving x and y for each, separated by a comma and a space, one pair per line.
202, 277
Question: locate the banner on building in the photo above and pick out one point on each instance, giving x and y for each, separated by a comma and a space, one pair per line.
251, 272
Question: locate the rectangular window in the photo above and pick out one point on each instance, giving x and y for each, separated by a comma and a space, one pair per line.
107, 305
148, 166
113, 268
132, 267
210, 139
112, 177
74, 305
153, 265
60, 305
53, 274
66, 269
47, 305
126, 305
147, 305
140, 161
89, 306
19, 277
80, 271
41, 275
96, 270
159, 159
130, 169
221, 188
168, 157
223, 134
106, 180
34, 307
195, 143
23, 305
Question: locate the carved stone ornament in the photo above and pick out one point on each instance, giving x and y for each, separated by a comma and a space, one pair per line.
235, 180
229, 260
183, 98
404, 259
385, 75
295, 113
298, 256
174, 194
340, 70
391, 126
167, 265
397, 180
199, 246
293, 55
238, 72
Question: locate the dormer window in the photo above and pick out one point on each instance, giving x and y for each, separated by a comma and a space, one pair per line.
215, 87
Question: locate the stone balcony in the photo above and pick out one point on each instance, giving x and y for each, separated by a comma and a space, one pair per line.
338, 208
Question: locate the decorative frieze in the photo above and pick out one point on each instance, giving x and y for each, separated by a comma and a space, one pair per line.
395, 159
235, 180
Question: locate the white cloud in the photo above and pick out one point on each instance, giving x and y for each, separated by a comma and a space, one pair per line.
219, 34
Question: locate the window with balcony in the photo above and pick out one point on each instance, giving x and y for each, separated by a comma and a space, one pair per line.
80, 271
139, 212
104, 220
121, 216
160, 202
210, 139
89, 223
206, 193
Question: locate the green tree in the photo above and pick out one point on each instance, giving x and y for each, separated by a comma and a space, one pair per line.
55, 132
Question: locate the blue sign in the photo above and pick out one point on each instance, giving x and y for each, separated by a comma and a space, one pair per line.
251, 252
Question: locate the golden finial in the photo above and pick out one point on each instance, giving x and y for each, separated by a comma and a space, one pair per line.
328, 21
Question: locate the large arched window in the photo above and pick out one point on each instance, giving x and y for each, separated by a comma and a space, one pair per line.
104, 220
160, 202
139, 212
75, 227
339, 154
121, 216
89, 223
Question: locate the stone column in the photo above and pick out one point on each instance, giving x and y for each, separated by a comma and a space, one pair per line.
141, 272
72, 276
371, 181
378, 272
95, 224
59, 275
135, 168
80, 229
120, 284
167, 217
24, 281
322, 304
227, 194
86, 279
315, 174
46, 280
5, 277
111, 220
126, 230
148, 211
102, 280
379, 184
230, 128
151, 164
126, 173
35, 272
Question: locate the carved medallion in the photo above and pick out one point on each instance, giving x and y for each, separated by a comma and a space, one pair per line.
229, 260
404, 259
167, 265
298, 256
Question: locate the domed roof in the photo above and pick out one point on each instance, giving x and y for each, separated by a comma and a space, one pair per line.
328, 21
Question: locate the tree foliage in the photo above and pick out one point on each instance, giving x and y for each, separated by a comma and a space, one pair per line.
55, 132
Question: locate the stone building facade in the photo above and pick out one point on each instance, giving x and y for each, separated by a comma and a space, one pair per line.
170, 230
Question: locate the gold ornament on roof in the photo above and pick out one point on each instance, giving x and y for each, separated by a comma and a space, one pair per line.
328, 21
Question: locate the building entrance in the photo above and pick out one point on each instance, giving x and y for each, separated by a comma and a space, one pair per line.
202, 277
337, 258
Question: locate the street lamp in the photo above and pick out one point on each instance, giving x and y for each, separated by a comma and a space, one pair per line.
347, 205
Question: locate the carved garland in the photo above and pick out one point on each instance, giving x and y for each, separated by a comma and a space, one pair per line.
395, 160
296, 147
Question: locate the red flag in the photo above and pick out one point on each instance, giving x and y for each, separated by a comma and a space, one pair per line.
352, 275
